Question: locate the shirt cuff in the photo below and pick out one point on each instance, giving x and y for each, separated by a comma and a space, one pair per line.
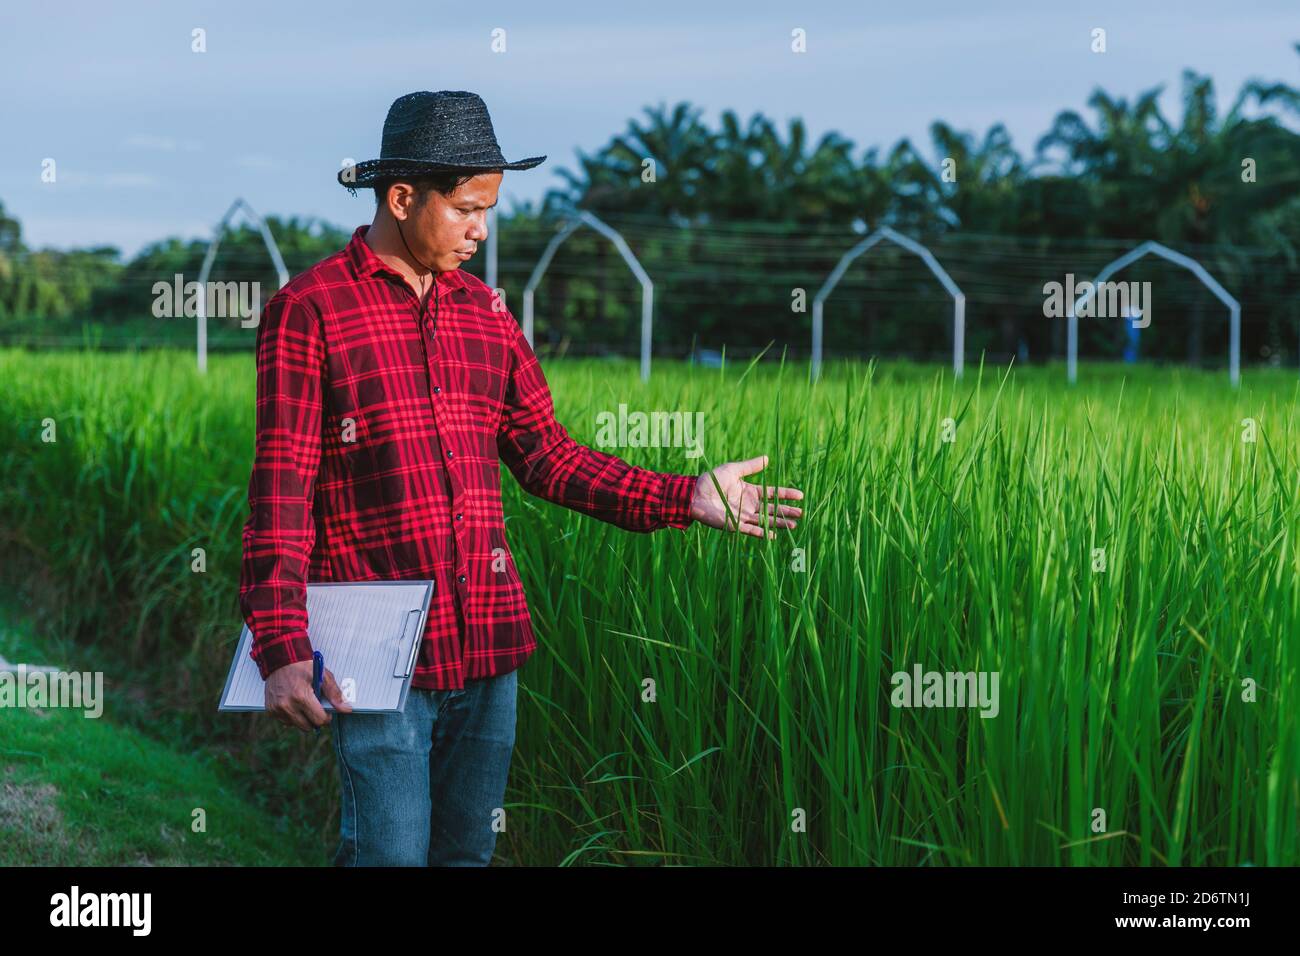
289, 649
679, 492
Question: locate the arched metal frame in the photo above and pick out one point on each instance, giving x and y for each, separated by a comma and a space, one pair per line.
577, 219
276, 259
1177, 258
958, 297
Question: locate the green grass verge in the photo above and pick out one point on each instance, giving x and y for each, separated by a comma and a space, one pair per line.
88, 791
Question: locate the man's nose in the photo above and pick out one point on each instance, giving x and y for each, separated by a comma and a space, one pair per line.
478, 230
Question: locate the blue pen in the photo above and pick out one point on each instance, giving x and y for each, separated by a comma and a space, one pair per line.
317, 674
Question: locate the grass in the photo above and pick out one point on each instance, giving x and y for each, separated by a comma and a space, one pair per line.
771, 738
79, 791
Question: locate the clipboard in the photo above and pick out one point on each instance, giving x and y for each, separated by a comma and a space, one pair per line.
369, 633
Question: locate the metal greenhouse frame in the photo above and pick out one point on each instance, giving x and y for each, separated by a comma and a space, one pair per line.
576, 220
958, 297
1177, 258
276, 259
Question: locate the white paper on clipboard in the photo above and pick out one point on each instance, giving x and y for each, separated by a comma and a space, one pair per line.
369, 633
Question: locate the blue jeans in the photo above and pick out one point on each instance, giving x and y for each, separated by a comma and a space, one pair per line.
425, 787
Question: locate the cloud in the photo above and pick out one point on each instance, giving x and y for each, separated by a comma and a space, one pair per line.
163, 144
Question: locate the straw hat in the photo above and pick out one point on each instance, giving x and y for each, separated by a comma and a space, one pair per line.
430, 132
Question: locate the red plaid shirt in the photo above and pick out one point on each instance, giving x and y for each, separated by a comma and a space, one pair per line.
381, 424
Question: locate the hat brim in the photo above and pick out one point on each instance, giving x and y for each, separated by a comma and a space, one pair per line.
366, 174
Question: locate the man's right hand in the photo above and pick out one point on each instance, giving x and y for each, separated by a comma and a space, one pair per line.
290, 698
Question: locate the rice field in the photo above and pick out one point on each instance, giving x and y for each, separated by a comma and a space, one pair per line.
1118, 560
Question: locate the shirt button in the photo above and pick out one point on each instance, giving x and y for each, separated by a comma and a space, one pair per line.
461, 579
436, 389
458, 517
449, 452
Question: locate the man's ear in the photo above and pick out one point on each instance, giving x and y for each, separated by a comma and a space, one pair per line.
417, 199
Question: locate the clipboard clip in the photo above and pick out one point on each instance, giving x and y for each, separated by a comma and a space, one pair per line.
412, 618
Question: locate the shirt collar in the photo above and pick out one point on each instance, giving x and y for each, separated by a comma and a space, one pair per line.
367, 263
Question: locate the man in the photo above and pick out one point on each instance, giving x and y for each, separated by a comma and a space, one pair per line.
389, 389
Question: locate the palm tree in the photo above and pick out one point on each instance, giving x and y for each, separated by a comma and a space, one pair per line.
1182, 185
611, 179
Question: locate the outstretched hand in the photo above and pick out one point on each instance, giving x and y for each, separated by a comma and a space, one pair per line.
748, 503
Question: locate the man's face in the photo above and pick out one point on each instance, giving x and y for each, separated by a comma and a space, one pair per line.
443, 227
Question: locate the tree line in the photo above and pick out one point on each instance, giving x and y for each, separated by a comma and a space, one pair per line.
734, 221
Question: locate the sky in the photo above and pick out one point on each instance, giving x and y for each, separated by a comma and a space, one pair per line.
151, 139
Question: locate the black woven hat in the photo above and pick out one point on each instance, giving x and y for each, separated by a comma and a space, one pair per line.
430, 132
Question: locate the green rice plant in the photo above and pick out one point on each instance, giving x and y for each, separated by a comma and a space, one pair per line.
1115, 552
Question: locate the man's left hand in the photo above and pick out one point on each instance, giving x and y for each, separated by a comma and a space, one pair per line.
748, 502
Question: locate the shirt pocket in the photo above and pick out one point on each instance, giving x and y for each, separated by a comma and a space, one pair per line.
478, 383
376, 401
